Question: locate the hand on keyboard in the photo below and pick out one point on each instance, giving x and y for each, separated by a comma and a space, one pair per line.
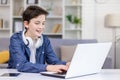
63, 72
57, 68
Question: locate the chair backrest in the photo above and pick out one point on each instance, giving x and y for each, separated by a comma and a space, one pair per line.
67, 52
58, 42
4, 44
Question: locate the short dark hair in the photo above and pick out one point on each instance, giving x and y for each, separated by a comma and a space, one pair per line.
32, 12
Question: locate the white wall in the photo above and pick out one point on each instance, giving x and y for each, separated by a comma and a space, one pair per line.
110, 6
88, 19
93, 19
93, 23
106, 34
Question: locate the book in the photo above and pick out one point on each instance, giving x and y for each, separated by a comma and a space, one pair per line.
59, 28
55, 28
1, 23
20, 11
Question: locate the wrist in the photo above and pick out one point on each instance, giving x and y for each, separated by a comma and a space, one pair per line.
68, 63
48, 67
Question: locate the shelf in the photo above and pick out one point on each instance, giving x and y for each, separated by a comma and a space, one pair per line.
76, 29
54, 17
4, 29
33, 4
60, 8
74, 9
19, 17
4, 5
53, 34
71, 5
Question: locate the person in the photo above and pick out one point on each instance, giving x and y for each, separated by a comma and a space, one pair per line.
29, 49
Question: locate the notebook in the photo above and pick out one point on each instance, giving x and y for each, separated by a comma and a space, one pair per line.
87, 59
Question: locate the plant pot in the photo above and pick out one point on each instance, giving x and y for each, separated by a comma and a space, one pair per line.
74, 2
72, 26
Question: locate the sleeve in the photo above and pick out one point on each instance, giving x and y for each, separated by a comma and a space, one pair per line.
51, 57
20, 61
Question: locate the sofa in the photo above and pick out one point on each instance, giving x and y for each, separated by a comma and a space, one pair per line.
70, 44
57, 44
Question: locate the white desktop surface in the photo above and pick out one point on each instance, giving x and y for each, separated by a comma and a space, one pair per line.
105, 74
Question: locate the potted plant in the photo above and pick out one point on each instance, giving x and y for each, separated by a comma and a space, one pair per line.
73, 20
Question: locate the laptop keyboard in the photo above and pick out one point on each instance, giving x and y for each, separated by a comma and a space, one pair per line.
63, 73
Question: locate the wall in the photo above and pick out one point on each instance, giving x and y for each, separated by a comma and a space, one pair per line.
94, 27
100, 31
88, 19
93, 19
110, 6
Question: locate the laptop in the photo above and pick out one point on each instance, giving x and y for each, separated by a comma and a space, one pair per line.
87, 59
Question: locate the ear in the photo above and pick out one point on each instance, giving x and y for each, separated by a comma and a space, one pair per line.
26, 24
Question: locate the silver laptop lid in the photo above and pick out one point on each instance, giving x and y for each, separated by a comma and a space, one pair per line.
88, 59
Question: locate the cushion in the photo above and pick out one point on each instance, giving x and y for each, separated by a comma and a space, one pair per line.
67, 52
4, 56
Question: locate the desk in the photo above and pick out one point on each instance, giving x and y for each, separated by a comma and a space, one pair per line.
105, 74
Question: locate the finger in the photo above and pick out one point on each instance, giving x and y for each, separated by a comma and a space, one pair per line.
65, 68
59, 71
68, 63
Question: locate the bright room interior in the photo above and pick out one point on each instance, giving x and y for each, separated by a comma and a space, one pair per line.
88, 23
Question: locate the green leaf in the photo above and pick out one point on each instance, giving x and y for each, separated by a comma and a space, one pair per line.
73, 19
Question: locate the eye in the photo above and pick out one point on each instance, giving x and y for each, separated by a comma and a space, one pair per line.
37, 23
43, 23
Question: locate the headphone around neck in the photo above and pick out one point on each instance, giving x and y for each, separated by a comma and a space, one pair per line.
29, 42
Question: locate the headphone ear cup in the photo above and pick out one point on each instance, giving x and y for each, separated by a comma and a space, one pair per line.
29, 41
